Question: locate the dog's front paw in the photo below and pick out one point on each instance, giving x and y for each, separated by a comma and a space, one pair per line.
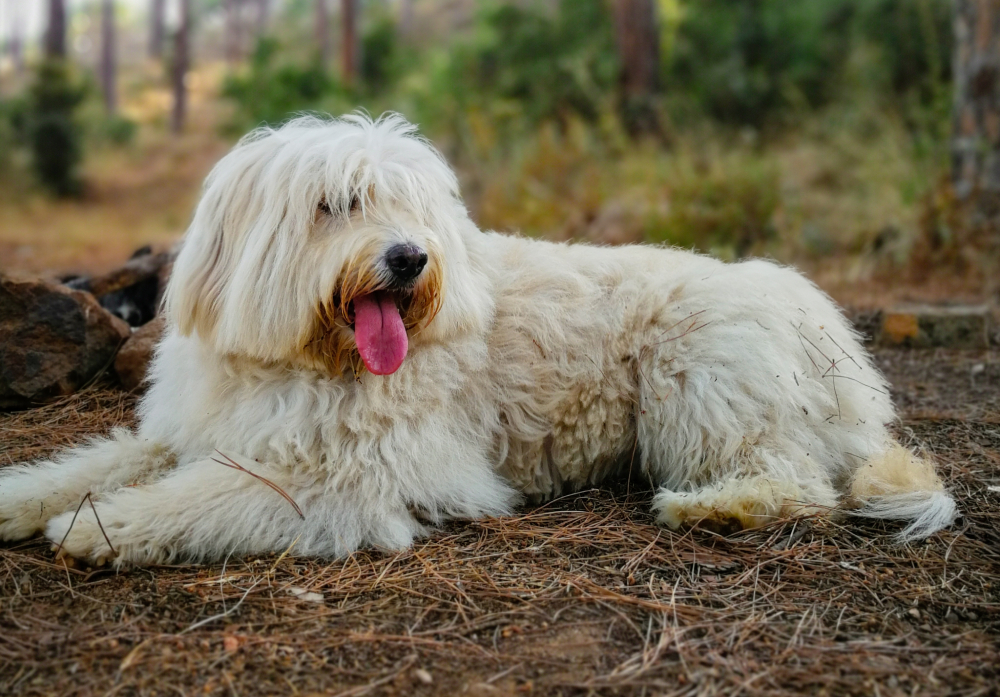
119, 535
23, 511
83, 538
20, 523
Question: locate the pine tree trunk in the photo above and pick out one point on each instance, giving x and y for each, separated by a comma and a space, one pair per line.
156, 24
349, 45
55, 32
638, 45
180, 67
323, 31
16, 44
976, 144
231, 39
263, 16
108, 46
638, 40
406, 17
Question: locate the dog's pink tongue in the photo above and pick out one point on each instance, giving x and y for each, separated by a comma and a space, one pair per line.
379, 333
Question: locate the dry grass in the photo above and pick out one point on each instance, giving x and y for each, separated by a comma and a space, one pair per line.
582, 596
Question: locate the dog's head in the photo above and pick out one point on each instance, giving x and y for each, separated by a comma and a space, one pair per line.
328, 243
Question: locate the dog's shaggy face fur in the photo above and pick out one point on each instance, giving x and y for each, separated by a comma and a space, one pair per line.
296, 224
338, 326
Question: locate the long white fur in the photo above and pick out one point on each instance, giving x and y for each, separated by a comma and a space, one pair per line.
738, 389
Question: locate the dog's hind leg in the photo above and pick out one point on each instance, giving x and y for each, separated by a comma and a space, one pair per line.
31, 494
737, 503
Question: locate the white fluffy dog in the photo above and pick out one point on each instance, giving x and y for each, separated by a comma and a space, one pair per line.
339, 327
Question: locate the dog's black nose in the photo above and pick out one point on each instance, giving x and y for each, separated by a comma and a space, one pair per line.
405, 261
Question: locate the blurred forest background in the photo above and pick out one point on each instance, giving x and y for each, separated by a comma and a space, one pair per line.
854, 138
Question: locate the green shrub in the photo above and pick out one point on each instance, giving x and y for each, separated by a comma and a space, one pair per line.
725, 205
382, 61
745, 61
12, 119
118, 130
269, 92
915, 40
551, 64
754, 61
52, 129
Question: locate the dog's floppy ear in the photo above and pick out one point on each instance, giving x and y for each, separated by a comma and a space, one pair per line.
202, 275
194, 294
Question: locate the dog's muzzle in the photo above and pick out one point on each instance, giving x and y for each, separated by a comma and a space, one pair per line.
375, 304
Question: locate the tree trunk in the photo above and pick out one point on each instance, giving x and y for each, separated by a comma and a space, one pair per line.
349, 47
323, 31
180, 66
638, 45
16, 43
406, 17
108, 46
156, 24
638, 39
231, 40
55, 33
976, 143
263, 15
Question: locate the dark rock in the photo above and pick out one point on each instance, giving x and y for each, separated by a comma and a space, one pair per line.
133, 358
135, 304
132, 291
868, 323
53, 340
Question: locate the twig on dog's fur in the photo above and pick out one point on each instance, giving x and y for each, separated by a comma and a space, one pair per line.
813, 344
86, 499
834, 365
863, 384
836, 396
232, 464
59, 547
842, 350
685, 319
689, 330
832, 371
98, 519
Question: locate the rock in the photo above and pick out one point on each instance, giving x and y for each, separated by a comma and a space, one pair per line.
927, 326
142, 265
53, 340
133, 291
133, 358
868, 323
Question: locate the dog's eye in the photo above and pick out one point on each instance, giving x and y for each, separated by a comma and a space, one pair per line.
324, 207
355, 205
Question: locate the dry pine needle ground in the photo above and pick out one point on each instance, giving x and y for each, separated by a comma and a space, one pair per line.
581, 596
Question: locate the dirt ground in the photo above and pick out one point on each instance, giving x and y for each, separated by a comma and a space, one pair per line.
585, 596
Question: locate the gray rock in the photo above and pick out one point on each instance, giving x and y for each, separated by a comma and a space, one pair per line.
53, 340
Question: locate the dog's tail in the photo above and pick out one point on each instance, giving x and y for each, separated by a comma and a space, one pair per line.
899, 485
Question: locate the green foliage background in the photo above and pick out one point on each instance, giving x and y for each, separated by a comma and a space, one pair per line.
526, 102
